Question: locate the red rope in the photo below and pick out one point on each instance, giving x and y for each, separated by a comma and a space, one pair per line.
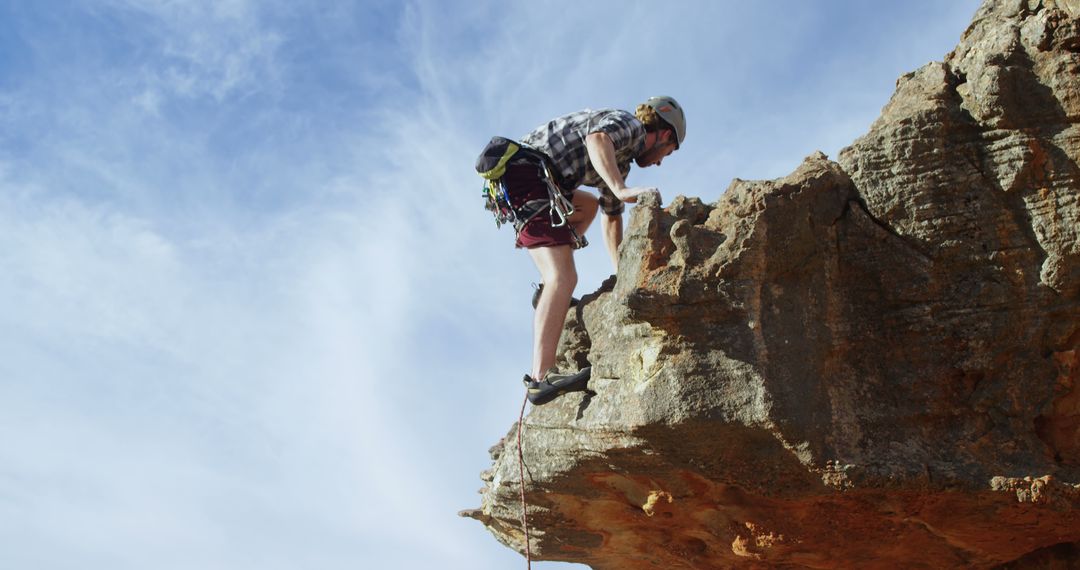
521, 472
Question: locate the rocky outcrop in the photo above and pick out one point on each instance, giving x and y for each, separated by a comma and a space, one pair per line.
870, 363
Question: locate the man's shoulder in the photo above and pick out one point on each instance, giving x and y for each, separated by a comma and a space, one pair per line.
587, 116
611, 114
581, 123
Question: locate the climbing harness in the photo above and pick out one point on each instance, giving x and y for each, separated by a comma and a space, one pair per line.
492, 164
521, 473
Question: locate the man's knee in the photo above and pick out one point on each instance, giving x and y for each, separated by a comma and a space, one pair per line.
556, 264
585, 204
565, 277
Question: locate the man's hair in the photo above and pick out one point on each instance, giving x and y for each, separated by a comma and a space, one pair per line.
652, 121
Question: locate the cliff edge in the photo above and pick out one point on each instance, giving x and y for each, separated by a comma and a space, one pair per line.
870, 363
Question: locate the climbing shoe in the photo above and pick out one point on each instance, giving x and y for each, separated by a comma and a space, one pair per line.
540, 289
554, 385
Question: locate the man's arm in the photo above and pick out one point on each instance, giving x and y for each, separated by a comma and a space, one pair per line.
602, 156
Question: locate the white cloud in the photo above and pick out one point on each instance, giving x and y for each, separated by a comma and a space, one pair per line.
207, 48
292, 344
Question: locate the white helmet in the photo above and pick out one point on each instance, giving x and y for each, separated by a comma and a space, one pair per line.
671, 112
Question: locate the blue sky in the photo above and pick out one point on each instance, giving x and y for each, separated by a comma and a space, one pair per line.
253, 313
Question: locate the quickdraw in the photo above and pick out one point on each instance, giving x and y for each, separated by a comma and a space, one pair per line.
497, 201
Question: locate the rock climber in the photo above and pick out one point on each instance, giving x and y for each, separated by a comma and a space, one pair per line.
586, 148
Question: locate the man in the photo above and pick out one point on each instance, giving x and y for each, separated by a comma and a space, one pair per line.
587, 148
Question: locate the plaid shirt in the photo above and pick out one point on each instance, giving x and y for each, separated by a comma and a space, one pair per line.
563, 141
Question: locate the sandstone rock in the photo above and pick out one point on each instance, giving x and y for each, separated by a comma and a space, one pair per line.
869, 363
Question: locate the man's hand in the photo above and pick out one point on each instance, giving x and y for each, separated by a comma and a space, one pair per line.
631, 195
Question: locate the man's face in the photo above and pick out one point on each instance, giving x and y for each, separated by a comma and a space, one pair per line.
660, 149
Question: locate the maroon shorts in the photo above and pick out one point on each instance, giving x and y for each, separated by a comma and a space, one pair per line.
524, 182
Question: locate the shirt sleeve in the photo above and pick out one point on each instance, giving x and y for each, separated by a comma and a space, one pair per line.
619, 126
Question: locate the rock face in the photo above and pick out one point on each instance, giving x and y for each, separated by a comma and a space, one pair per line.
870, 363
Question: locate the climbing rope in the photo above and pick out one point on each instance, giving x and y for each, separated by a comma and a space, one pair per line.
521, 472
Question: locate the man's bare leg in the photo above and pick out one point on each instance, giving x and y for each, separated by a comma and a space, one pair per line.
557, 270
585, 207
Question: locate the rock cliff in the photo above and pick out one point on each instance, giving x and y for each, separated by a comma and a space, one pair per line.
869, 363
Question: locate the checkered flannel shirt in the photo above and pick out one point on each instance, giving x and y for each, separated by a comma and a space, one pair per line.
563, 141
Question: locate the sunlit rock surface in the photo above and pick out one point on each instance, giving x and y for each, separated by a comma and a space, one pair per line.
869, 363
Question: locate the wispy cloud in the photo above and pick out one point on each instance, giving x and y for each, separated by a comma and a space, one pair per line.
257, 377
216, 49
